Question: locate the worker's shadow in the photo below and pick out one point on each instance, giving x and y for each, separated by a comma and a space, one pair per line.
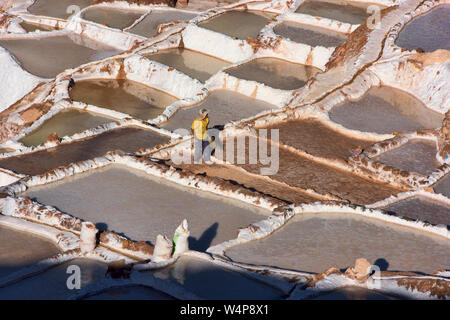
205, 240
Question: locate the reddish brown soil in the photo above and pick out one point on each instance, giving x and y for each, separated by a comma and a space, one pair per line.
317, 139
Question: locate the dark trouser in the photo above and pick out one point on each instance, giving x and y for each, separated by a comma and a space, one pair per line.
201, 148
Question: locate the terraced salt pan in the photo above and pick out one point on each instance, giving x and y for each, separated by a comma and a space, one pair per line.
52, 284
335, 11
195, 64
308, 35
48, 56
212, 282
125, 139
148, 26
429, 31
414, 156
64, 123
143, 206
224, 107
422, 209
111, 17
57, 8
238, 23
19, 249
275, 73
125, 96
443, 186
385, 110
130, 293
317, 242
315, 138
30, 27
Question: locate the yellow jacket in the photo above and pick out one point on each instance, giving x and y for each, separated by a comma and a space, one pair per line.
200, 126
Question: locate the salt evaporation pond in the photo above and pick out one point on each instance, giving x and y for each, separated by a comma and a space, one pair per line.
148, 26
143, 206
64, 123
112, 17
316, 138
309, 35
385, 110
46, 57
429, 31
224, 106
125, 96
355, 293
315, 243
20, 249
343, 12
130, 293
422, 209
238, 23
52, 284
443, 186
125, 139
58, 8
31, 27
414, 156
195, 64
212, 282
276, 73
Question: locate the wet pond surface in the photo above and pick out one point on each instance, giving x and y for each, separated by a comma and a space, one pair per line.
237, 23
125, 96
48, 56
143, 206
148, 26
316, 243
224, 106
336, 11
443, 186
430, 31
275, 73
130, 293
194, 64
112, 17
58, 8
385, 110
20, 249
126, 139
355, 293
309, 35
31, 27
64, 123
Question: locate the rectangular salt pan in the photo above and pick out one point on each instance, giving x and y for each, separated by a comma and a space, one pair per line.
335, 11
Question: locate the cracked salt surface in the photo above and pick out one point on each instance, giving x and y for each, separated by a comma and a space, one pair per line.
142, 206
21, 249
316, 243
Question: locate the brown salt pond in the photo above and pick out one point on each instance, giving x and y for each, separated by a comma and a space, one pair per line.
355, 293
195, 64
309, 35
52, 284
126, 139
422, 209
443, 186
385, 110
339, 11
112, 17
315, 243
58, 8
19, 249
31, 27
212, 282
224, 106
143, 206
125, 96
46, 57
415, 156
429, 31
316, 138
275, 73
64, 123
148, 26
130, 293
238, 23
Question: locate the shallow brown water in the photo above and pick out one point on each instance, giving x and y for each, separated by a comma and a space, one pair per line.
57, 8
443, 186
30, 27
336, 11
275, 73
111, 17
125, 96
